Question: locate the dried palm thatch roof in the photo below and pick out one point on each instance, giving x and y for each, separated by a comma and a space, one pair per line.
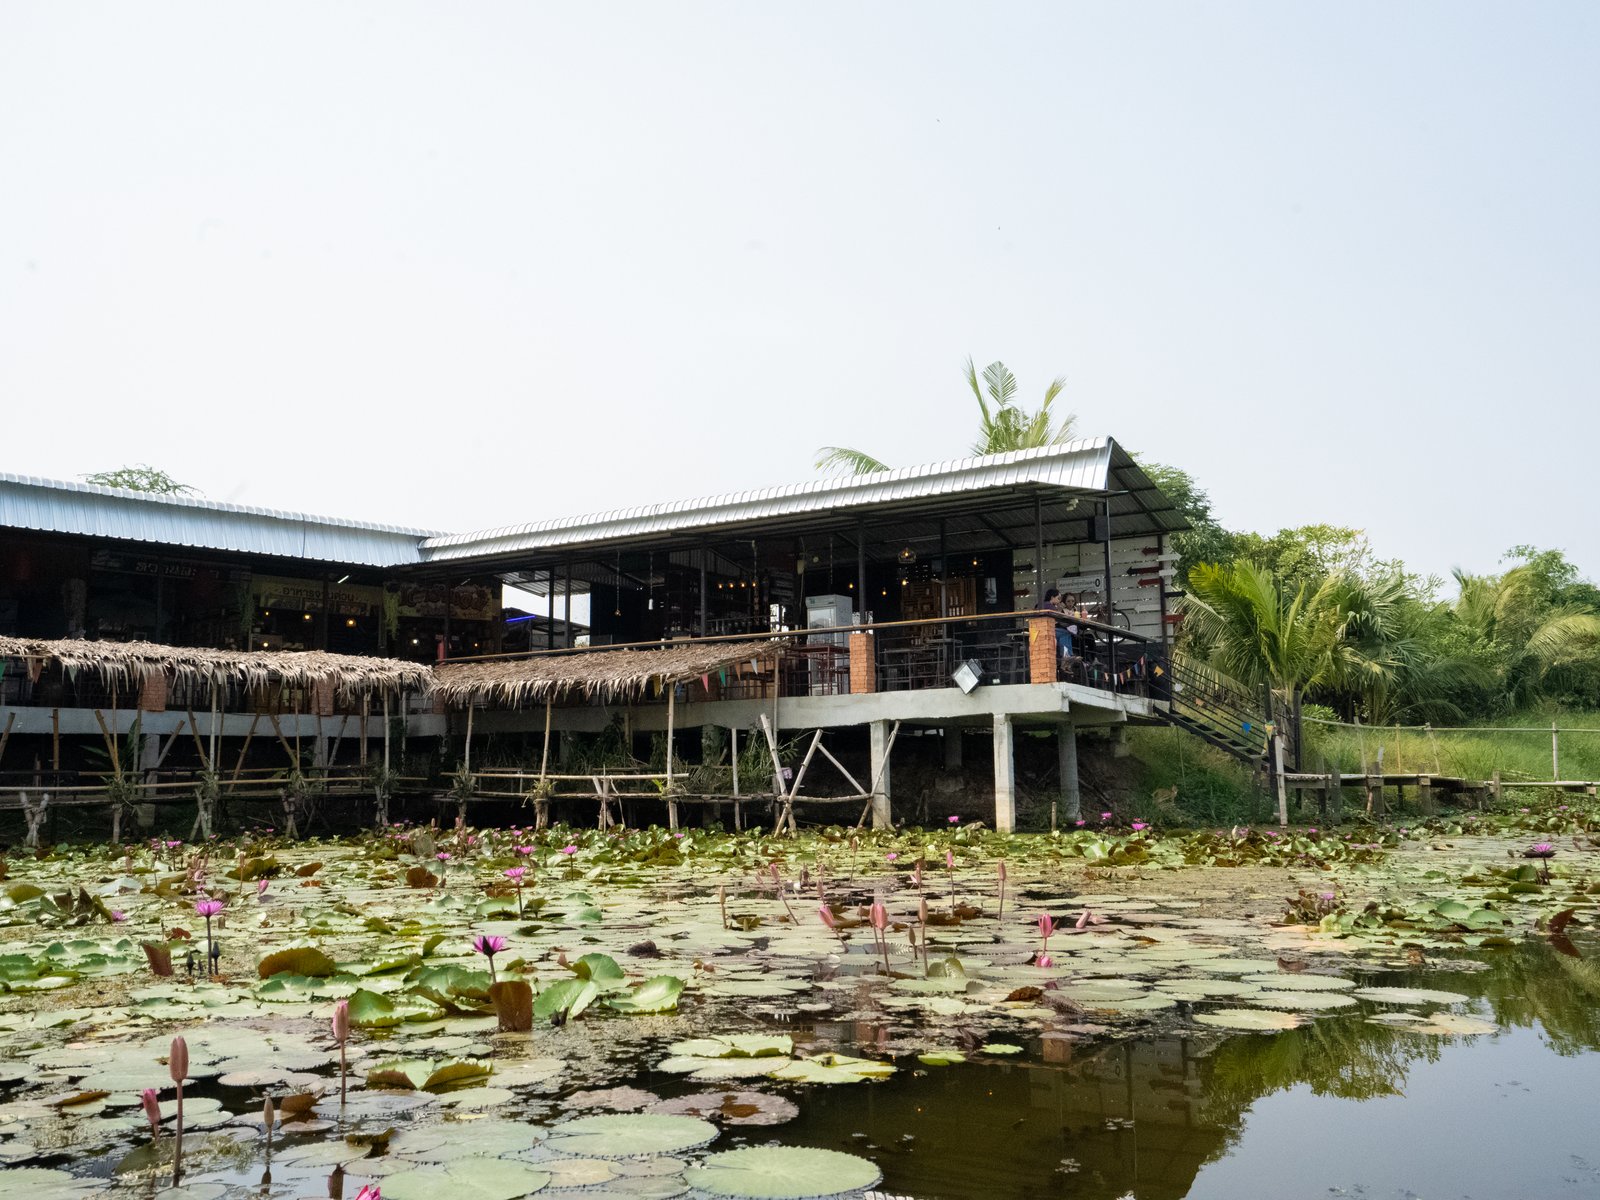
127, 663
606, 674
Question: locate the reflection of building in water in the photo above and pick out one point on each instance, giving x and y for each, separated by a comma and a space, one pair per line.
1106, 1122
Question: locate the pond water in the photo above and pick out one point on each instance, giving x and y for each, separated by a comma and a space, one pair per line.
1340, 1107
1206, 1016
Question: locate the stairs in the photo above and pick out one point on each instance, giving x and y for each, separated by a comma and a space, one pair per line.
1218, 710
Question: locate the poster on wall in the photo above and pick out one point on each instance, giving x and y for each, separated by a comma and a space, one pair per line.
468, 602
344, 599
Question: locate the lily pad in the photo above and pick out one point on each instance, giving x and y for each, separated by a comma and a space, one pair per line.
783, 1173
629, 1135
1397, 995
1247, 1018
468, 1179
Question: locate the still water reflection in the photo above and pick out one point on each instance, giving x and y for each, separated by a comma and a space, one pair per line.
1340, 1107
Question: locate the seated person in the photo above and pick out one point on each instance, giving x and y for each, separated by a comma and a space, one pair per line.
1053, 603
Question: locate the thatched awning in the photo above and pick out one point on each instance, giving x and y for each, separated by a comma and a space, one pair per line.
127, 663
604, 674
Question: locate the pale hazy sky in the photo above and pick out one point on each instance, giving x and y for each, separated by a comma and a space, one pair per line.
464, 265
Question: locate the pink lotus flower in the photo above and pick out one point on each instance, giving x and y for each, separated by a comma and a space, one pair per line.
954, 820
1080, 824
208, 908
890, 857
489, 944
261, 889
443, 856
515, 873
369, 1191
118, 915
524, 849
1137, 826
1105, 816
1044, 960
569, 849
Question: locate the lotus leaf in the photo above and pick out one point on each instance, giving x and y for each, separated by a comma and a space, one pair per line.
783, 1173
1246, 1018
629, 1135
305, 961
657, 994
568, 998
469, 1179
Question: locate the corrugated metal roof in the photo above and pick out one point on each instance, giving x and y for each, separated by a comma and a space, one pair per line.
1077, 466
57, 506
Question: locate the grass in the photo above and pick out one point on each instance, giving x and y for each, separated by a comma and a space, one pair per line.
1518, 746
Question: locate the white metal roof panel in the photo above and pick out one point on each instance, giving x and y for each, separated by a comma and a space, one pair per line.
58, 506
1080, 465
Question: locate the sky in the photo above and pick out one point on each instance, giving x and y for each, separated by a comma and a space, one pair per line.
462, 266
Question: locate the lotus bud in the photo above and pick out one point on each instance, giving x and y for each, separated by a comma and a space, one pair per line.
879, 915
1047, 925
828, 919
922, 910
152, 1110
1083, 921
341, 1021
178, 1060
1001, 868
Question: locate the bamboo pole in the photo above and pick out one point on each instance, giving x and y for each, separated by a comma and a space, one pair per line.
249, 735
200, 747
544, 757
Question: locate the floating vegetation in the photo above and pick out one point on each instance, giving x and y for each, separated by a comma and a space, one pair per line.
495, 1013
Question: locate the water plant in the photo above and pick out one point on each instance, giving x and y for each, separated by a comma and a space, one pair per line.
341, 1034
878, 915
515, 874
151, 1103
209, 909
178, 1068
489, 945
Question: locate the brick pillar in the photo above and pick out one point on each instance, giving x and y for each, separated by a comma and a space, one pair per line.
1042, 652
153, 692
863, 665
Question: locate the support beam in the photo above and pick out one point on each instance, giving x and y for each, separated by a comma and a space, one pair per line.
1071, 794
881, 790
1005, 776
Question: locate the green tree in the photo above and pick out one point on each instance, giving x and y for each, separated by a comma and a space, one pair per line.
1248, 624
1002, 425
141, 478
1205, 541
1529, 640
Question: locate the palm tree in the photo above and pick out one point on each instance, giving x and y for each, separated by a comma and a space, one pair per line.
1245, 623
1002, 425
1525, 640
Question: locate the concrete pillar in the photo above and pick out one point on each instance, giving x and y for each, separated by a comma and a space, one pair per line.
879, 734
1071, 796
1119, 741
1005, 777
951, 737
